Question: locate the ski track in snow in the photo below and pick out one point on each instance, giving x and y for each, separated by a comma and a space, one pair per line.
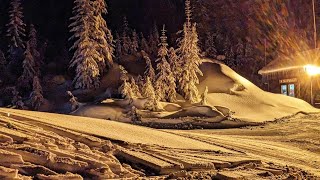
32, 145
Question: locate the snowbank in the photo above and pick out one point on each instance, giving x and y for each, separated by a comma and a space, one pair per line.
249, 103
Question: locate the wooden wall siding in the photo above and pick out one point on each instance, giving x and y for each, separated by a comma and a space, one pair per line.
302, 84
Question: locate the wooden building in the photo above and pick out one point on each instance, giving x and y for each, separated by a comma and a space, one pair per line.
297, 75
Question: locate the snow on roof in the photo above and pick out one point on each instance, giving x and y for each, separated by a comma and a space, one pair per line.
294, 61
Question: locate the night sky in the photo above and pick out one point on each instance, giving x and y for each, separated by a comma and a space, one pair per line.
51, 17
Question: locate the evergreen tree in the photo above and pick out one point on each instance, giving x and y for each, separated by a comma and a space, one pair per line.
144, 44
240, 53
102, 36
36, 94
188, 14
150, 72
229, 53
210, 47
118, 46
125, 26
3, 62
135, 42
33, 42
149, 93
126, 41
17, 99
140, 83
125, 89
28, 68
189, 59
165, 84
155, 33
173, 60
135, 88
154, 40
86, 57
16, 26
126, 44
230, 57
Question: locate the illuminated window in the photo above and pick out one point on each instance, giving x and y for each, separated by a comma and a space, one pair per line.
284, 89
291, 90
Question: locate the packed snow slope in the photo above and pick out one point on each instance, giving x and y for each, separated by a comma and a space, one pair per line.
110, 130
246, 100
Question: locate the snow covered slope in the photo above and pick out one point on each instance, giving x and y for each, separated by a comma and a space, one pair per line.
250, 103
111, 130
226, 89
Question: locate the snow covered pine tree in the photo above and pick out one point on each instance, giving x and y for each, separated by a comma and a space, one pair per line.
144, 46
173, 60
135, 88
33, 43
28, 69
211, 50
165, 83
149, 72
36, 94
149, 93
188, 52
102, 36
93, 43
134, 42
16, 27
125, 89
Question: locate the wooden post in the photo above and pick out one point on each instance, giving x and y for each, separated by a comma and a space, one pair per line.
311, 90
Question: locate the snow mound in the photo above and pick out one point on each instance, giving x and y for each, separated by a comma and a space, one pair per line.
228, 93
246, 100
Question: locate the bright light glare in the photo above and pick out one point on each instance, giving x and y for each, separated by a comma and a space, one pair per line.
312, 70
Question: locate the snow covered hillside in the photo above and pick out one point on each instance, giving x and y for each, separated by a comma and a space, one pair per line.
229, 94
250, 103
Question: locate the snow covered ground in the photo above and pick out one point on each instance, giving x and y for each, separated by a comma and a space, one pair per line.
52, 146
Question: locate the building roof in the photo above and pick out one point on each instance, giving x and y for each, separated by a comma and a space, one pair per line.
295, 61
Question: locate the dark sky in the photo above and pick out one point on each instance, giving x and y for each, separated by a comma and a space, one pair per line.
51, 17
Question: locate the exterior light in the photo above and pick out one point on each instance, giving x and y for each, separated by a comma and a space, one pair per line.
312, 70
